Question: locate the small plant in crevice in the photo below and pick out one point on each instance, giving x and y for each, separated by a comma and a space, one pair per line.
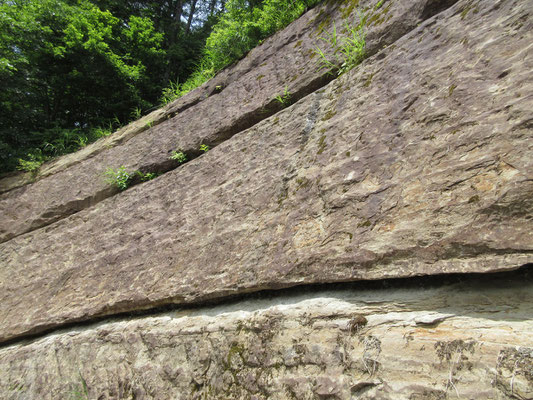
123, 179
204, 148
148, 176
79, 391
179, 156
120, 177
285, 98
348, 51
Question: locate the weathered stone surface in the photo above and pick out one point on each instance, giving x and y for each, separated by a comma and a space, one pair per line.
419, 162
236, 99
410, 340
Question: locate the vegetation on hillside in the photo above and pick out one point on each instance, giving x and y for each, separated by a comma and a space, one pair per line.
242, 27
72, 71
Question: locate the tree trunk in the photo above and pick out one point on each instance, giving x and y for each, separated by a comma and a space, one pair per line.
212, 6
191, 15
178, 11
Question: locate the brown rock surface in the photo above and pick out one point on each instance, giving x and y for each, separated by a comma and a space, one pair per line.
204, 116
469, 339
418, 162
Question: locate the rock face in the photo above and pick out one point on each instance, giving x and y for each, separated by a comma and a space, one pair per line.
417, 162
448, 340
233, 101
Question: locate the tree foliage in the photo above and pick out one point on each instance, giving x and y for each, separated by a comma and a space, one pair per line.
242, 26
72, 71
69, 67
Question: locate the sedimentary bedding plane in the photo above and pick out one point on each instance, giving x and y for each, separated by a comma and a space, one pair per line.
415, 163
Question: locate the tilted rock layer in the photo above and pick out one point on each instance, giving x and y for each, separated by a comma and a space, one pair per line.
417, 162
236, 99
469, 339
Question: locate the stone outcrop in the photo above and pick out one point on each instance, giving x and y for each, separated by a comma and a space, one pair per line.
417, 162
236, 99
469, 338
391, 170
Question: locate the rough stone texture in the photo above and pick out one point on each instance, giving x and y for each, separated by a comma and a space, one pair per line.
414, 340
236, 99
418, 162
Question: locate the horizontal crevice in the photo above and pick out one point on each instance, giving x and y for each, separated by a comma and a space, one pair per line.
435, 7
522, 275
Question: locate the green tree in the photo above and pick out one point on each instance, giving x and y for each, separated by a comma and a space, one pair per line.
242, 25
184, 24
66, 67
70, 67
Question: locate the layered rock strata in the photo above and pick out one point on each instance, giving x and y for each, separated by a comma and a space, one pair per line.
468, 338
418, 162
236, 99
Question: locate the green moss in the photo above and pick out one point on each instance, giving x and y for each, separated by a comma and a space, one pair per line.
16, 387
364, 224
474, 199
350, 6
378, 17
451, 89
375, 19
323, 25
321, 144
236, 349
282, 197
347, 154
467, 9
368, 80
329, 114
320, 14
259, 77
298, 43
302, 183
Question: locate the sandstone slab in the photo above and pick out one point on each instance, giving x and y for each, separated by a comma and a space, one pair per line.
469, 338
237, 98
387, 172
